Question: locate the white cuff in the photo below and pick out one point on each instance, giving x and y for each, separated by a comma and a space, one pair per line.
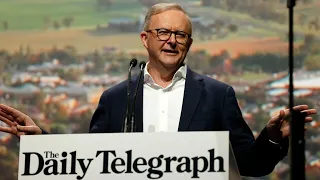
273, 142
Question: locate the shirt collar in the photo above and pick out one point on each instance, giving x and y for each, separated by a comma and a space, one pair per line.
181, 73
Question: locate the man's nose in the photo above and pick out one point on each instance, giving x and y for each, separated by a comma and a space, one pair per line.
172, 40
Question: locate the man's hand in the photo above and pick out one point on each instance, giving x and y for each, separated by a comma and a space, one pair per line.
279, 126
18, 122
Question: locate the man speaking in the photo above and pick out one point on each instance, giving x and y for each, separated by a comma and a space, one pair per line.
173, 98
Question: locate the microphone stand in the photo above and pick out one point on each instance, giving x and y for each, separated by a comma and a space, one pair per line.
297, 150
142, 65
125, 127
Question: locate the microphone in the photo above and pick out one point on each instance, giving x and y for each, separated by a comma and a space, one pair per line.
132, 64
142, 65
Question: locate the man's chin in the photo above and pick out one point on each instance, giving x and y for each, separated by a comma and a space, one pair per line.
173, 64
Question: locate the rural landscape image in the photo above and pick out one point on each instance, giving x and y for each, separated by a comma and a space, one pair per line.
58, 56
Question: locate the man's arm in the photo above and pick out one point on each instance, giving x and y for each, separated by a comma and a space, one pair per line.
254, 157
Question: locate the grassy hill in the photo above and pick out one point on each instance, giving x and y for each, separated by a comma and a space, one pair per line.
26, 24
30, 14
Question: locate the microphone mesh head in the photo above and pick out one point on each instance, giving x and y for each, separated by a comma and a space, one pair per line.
142, 65
133, 62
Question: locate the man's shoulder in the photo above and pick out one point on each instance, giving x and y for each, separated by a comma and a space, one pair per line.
114, 92
211, 81
118, 88
121, 86
215, 82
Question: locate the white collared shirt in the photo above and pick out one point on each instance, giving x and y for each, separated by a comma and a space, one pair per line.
162, 106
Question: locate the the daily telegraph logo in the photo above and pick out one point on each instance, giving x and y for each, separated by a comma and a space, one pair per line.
66, 163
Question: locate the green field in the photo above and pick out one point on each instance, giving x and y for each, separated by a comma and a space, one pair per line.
247, 76
277, 28
30, 14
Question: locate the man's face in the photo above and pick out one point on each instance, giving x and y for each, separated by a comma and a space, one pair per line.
164, 47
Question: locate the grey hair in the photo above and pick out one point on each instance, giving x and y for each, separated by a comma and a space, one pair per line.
162, 7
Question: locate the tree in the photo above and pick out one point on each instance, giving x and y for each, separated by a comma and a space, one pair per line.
83, 122
232, 5
104, 3
309, 40
67, 21
3, 64
315, 49
8, 160
307, 1
314, 24
302, 19
218, 25
312, 62
70, 74
233, 28
5, 25
56, 25
58, 128
207, 3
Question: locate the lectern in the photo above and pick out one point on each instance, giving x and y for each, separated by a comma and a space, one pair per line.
128, 156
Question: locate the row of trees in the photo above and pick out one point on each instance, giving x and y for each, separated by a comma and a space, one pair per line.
235, 3
264, 10
306, 56
56, 24
111, 62
65, 22
219, 29
313, 23
311, 49
48, 23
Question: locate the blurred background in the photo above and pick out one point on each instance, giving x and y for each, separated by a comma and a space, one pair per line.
58, 56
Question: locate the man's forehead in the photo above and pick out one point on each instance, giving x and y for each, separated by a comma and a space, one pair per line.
165, 20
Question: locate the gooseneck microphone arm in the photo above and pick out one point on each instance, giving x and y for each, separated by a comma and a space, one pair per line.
142, 65
127, 117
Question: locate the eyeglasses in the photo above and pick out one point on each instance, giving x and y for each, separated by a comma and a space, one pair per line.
164, 35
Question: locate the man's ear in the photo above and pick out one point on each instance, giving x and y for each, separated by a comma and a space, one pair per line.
143, 37
190, 41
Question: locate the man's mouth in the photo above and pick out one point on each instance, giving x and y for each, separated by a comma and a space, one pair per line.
170, 51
